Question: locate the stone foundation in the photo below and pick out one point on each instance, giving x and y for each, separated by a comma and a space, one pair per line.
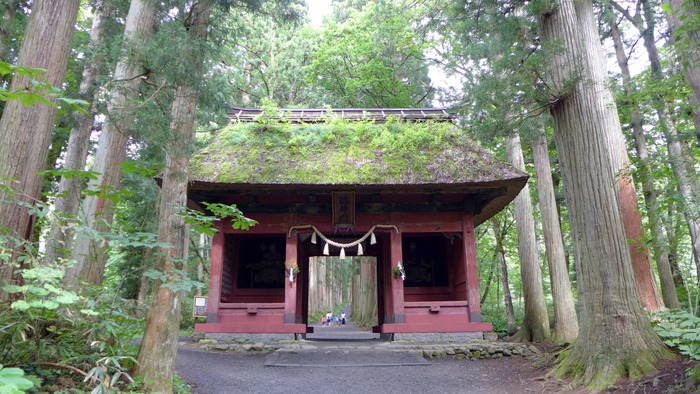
438, 337
474, 350
248, 338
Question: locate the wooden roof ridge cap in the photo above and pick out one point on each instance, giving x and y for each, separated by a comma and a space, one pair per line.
250, 114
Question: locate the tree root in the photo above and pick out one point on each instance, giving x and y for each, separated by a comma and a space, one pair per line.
600, 371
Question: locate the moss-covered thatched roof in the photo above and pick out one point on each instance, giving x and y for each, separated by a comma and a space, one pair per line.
344, 153
341, 154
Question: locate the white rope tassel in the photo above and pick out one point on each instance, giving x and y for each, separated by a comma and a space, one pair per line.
360, 252
342, 253
313, 238
372, 239
325, 250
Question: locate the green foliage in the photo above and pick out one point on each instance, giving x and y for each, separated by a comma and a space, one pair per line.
47, 326
175, 279
373, 58
205, 223
13, 381
679, 330
40, 293
37, 90
101, 378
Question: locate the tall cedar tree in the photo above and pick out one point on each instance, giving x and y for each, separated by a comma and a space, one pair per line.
658, 241
684, 19
565, 320
536, 321
91, 254
619, 160
25, 131
615, 338
69, 189
683, 171
156, 358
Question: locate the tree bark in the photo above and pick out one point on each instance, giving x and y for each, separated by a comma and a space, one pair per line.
687, 184
156, 358
26, 131
8, 15
146, 264
90, 254
67, 204
619, 159
565, 319
668, 288
489, 279
686, 37
615, 337
507, 298
684, 173
536, 321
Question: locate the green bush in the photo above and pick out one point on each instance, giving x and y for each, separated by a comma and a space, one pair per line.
13, 381
679, 330
52, 333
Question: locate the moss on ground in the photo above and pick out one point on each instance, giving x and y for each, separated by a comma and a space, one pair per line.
601, 371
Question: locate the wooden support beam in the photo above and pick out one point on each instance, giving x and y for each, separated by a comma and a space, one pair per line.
472, 270
215, 273
396, 284
290, 288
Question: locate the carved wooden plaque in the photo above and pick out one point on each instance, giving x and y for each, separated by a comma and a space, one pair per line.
343, 209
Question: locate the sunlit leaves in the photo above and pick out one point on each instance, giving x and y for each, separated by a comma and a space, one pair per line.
374, 58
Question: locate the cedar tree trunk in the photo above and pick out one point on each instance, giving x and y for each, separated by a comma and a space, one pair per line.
159, 347
565, 320
668, 288
69, 189
91, 255
25, 131
682, 21
619, 160
615, 337
507, 299
536, 321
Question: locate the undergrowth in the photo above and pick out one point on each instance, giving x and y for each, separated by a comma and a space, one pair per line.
680, 330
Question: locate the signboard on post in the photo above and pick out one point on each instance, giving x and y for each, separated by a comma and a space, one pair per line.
199, 307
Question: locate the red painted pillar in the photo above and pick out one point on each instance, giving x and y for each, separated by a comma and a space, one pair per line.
215, 272
290, 288
396, 255
472, 271
301, 283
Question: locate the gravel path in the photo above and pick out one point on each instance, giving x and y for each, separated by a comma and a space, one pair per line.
348, 359
215, 373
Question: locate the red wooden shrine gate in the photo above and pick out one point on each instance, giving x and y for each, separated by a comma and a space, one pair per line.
423, 220
437, 252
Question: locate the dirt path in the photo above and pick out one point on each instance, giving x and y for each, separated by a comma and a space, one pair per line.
354, 372
348, 359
